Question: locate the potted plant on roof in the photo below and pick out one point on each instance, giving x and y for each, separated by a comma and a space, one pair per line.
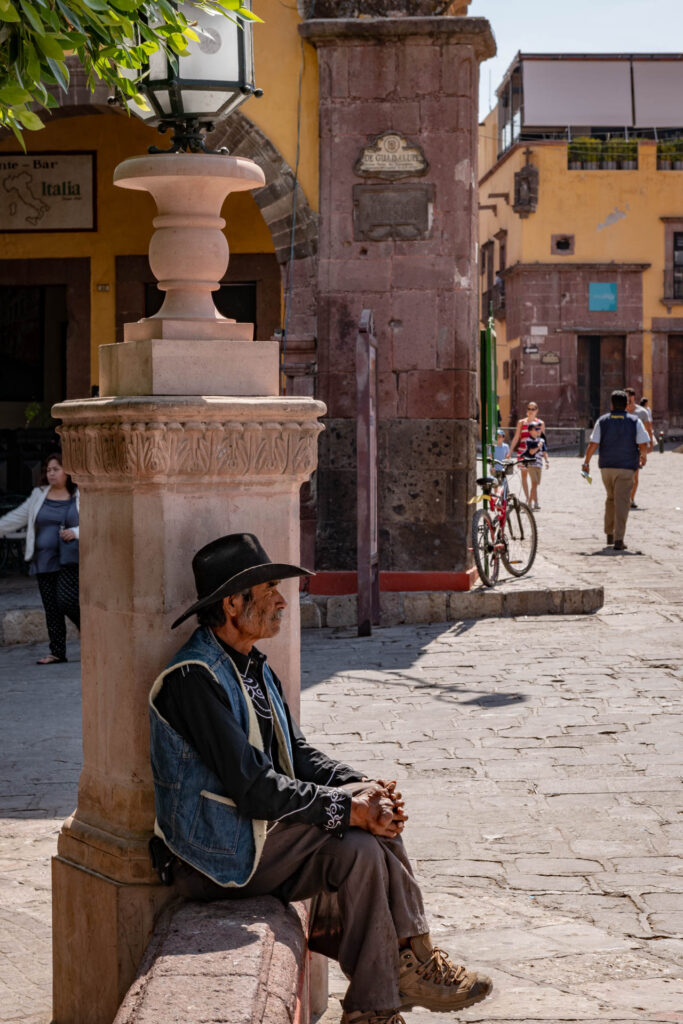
587, 151
611, 154
677, 154
574, 153
665, 154
628, 160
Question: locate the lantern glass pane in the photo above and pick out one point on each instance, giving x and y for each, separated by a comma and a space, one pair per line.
203, 103
216, 56
163, 100
158, 66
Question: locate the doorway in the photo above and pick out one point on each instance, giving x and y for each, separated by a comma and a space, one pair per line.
675, 375
234, 301
601, 369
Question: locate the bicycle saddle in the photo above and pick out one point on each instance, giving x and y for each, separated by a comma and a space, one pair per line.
486, 481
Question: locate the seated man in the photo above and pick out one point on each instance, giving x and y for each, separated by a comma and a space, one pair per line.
246, 807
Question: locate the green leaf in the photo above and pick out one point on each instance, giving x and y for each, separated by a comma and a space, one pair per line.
12, 94
32, 61
95, 5
30, 120
32, 17
5, 5
60, 71
248, 15
50, 47
70, 16
9, 15
18, 135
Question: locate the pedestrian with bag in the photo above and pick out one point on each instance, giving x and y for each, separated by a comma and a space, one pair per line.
623, 444
50, 517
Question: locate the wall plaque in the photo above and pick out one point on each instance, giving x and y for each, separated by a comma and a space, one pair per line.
390, 155
550, 358
47, 192
402, 212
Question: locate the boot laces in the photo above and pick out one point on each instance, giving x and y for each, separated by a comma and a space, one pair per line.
441, 970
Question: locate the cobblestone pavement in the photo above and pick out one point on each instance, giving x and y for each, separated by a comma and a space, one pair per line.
540, 759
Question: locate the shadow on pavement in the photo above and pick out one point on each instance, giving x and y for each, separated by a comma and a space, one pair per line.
40, 734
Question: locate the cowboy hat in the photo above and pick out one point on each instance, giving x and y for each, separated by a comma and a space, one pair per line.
230, 565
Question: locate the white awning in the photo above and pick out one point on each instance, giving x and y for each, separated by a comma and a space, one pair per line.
658, 90
577, 92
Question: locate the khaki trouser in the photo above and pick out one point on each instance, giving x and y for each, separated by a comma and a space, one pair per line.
618, 484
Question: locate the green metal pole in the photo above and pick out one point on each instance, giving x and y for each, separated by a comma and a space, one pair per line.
492, 417
483, 395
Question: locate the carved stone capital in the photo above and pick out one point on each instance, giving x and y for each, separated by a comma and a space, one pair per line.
189, 439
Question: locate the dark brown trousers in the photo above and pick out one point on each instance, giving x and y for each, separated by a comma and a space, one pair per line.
365, 900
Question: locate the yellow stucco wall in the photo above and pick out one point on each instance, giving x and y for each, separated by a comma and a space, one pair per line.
278, 56
613, 215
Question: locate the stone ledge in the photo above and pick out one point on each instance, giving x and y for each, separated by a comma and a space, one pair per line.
439, 606
234, 961
27, 626
475, 32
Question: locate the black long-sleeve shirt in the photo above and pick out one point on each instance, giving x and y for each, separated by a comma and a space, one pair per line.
199, 710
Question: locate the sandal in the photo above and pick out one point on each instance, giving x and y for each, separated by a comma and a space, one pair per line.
51, 659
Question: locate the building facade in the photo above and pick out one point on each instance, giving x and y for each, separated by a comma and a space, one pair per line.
367, 133
581, 234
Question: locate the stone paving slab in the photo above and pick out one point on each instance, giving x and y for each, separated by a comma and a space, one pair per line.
539, 758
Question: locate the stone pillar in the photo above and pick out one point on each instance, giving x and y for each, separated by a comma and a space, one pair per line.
189, 441
398, 234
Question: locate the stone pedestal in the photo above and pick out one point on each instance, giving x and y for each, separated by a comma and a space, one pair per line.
160, 475
398, 234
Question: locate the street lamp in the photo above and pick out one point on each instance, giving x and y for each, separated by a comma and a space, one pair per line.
211, 81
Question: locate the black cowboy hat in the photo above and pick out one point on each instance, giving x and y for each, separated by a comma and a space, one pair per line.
232, 564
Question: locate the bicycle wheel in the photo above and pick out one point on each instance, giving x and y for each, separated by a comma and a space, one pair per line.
486, 556
520, 538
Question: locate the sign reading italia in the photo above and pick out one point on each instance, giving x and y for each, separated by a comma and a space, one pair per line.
47, 192
391, 155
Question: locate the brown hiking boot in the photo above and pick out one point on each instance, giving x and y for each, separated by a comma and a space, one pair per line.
372, 1017
428, 978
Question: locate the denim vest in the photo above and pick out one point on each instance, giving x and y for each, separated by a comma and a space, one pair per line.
618, 448
194, 816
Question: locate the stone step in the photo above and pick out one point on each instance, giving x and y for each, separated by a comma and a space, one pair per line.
449, 606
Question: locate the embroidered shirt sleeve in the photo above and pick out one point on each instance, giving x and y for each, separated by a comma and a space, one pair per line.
337, 811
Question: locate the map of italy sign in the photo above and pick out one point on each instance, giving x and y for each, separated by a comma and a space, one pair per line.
47, 192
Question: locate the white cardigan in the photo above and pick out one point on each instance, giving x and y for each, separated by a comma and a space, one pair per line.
24, 517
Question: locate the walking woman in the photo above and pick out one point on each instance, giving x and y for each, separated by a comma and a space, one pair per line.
50, 518
518, 443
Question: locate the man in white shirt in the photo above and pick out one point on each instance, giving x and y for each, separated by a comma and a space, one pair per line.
646, 419
623, 443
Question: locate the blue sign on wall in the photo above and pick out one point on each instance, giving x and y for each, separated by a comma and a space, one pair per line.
602, 296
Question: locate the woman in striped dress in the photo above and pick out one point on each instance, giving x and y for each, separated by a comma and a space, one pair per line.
518, 443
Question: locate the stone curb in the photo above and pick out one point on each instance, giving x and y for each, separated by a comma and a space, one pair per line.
27, 626
449, 606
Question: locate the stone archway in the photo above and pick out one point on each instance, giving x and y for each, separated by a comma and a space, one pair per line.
276, 200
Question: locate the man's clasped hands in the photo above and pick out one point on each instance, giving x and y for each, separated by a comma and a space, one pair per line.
378, 808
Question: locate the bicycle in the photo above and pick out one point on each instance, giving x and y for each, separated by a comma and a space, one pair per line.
505, 531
